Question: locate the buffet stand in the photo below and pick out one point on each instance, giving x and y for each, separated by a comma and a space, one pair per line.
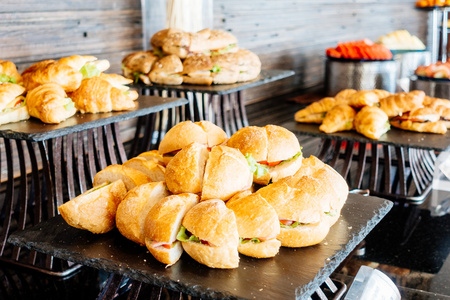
295, 273
398, 166
55, 164
222, 105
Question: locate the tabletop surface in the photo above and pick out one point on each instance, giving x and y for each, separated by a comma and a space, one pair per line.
35, 130
264, 77
294, 273
394, 137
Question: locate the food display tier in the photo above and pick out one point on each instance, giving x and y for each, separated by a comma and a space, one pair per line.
394, 137
266, 76
295, 273
34, 130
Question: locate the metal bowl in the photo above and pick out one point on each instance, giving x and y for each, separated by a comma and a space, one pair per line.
439, 88
407, 63
359, 75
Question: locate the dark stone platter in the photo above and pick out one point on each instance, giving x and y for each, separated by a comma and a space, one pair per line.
264, 77
292, 274
34, 130
394, 137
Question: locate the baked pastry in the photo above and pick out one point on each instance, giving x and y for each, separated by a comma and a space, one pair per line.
209, 235
50, 103
371, 122
423, 119
400, 103
381, 93
197, 70
8, 72
137, 65
339, 118
225, 69
316, 111
134, 208
12, 103
248, 64
344, 96
88, 65
130, 177
49, 71
98, 95
162, 224
167, 71
363, 98
95, 209
121, 83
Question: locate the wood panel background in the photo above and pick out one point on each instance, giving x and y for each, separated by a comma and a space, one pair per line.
286, 34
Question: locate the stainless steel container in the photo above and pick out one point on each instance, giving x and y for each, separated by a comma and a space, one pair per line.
407, 63
360, 75
439, 88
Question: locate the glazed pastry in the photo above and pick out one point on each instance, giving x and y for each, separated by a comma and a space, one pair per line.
344, 96
363, 98
339, 118
52, 72
88, 65
167, 71
423, 119
316, 111
50, 104
137, 65
12, 103
372, 122
8, 72
98, 95
400, 103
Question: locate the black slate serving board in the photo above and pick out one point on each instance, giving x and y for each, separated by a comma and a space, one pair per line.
292, 274
394, 137
34, 130
264, 77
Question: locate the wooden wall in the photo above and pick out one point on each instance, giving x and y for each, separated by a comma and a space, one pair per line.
286, 34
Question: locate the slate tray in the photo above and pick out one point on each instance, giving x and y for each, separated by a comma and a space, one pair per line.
35, 130
394, 137
264, 77
292, 274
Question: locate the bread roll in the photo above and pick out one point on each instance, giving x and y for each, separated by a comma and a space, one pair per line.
197, 70
130, 177
95, 209
275, 151
226, 173
184, 173
154, 156
137, 65
177, 44
153, 170
134, 208
258, 226
217, 238
225, 70
50, 103
248, 64
162, 224
167, 70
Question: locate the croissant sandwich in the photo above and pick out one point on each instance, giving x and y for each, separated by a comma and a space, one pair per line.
12, 103
50, 103
316, 111
88, 65
8, 72
400, 103
372, 122
339, 118
272, 152
423, 119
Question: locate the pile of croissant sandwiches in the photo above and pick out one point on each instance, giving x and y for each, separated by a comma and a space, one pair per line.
205, 57
372, 113
214, 197
53, 91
